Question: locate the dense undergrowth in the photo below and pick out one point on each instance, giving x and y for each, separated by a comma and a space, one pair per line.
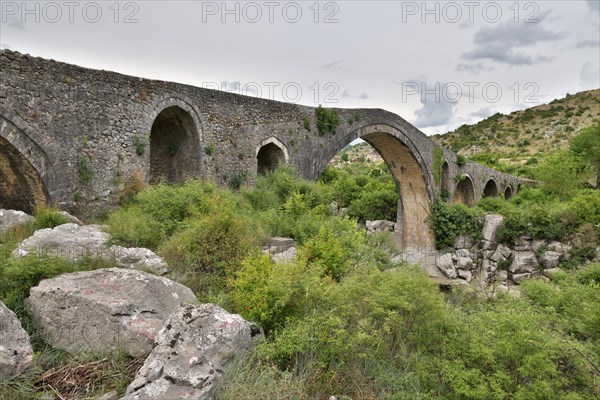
343, 319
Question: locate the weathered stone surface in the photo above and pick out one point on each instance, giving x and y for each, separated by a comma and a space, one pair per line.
445, 263
280, 249
502, 253
193, 349
74, 242
72, 219
465, 263
106, 309
489, 265
523, 261
463, 253
501, 276
519, 277
9, 218
559, 247
138, 258
524, 243
463, 242
380, 226
491, 224
550, 259
15, 349
465, 274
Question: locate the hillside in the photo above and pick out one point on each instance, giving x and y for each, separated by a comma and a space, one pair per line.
518, 136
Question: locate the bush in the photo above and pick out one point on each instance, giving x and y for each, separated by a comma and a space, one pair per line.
48, 217
375, 205
132, 227
451, 220
327, 120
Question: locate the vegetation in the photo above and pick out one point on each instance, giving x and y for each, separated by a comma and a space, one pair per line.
345, 317
327, 120
85, 169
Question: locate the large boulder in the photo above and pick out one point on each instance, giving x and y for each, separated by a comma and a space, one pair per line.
105, 310
445, 263
550, 259
15, 349
193, 350
74, 242
10, 218
491, 224
523, 262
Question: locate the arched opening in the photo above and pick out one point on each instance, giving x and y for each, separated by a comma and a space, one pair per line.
490, 189
508, 193
464, 192
20, 185
445, 181
174, 146
411, 192
268, 157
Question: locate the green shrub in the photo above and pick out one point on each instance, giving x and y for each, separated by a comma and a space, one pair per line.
451, 220
270, 293
85, 169
327, 120
306, 123
586, 205
132, 227
48, 217
375, 205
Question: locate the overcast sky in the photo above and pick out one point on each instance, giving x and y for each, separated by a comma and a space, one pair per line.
437, 64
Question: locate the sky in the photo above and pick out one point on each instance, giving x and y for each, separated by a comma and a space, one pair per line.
438, 64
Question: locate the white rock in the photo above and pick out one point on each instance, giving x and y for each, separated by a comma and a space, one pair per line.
15, 349
10, 218
523, 262
446, 265
491, 224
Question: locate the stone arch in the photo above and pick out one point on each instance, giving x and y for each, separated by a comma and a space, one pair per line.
174, 145
508, 192
491, 188
411, 175
464, 193
446, 177
269, 153
24, 168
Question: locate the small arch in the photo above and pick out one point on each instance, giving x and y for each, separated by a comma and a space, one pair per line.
270, 153
464, 193
490, 189
446, 178
174, 146
508, 193
21, 187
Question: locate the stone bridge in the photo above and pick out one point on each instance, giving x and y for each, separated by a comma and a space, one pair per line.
73, 137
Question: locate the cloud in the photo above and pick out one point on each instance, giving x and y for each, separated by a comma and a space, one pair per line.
482, 113
590, 76
587, 43
434, 114
473, 68
499, 43
594, 5
363, 96
335, 66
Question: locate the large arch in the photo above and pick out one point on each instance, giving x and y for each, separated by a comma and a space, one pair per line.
464, 193
270, 153
491, 188
174, 146
412, 178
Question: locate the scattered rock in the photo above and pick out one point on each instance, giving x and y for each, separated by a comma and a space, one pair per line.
463, 242
280, 249
15, 349
502, 253
523, 261
465, 274
523, 244
74, 242
9, 218
519, 277
192, 352
105, 310
465, 263
335, 207
72, 219
491, 224
550, 259
446, 265
380, 226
